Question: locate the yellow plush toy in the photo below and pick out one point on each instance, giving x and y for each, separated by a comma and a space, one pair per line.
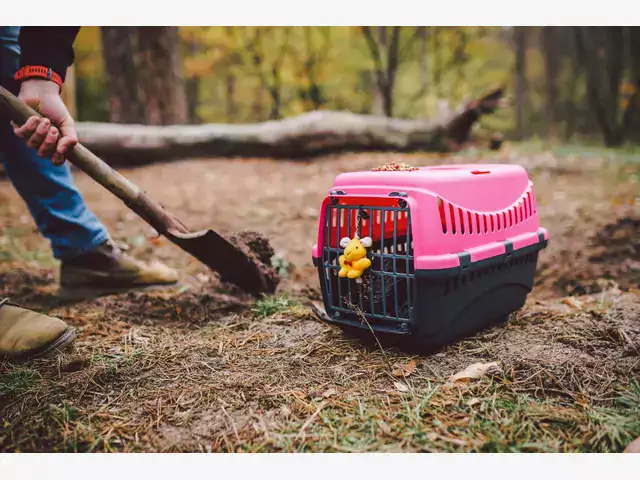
354, 261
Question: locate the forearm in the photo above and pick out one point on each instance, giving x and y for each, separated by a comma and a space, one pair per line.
50, 47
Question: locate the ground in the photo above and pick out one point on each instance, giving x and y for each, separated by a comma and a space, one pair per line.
204, 369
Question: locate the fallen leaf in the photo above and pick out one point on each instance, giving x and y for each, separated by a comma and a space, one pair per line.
572, 302
401, 387
405, 370
455, 441
473, 402
386, 429
330, 392
475, 371
285, 411
319, 311
155, 241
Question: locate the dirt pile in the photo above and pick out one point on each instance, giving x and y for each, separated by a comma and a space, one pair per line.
259, 251
610, 258
616, 252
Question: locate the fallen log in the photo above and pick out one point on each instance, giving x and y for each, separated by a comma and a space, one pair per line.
304, 136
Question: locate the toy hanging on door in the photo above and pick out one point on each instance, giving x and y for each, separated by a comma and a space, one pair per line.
354, 261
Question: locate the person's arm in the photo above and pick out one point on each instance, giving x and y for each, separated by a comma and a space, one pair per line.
49, 47
46, 53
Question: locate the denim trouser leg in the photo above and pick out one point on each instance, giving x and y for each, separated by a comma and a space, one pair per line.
50, 193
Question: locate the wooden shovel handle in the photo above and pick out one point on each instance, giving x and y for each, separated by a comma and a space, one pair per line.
102, 173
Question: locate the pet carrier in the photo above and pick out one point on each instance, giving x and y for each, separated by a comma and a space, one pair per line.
436, 253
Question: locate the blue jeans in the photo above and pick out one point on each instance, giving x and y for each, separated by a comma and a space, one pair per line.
54, 201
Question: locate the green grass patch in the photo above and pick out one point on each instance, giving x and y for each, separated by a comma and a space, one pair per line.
479, 419
16, 380
270, 305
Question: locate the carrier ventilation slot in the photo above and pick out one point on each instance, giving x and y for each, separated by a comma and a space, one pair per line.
460, 221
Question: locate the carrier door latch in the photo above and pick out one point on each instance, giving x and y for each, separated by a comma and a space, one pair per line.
508, 250
465, 260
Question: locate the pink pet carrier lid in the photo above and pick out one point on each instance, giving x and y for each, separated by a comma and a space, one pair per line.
500, 184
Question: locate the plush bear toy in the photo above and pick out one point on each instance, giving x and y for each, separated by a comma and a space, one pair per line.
354, 261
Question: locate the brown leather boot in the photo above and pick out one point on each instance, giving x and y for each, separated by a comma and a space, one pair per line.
25, 334
108, 270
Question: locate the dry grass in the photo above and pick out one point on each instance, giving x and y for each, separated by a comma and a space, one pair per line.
205, 370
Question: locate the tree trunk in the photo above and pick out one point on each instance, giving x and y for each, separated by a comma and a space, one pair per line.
312, 95
385, 60
161, 75
437, 60
630, 117
599, 81
274, 93
192, 85
460, 58
367, 85
519, 38
424, 59
230, 79
549, 47
305, 136
257, 65
392, 70
231, 96
120, 68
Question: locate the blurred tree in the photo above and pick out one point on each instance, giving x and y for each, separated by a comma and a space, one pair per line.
520, 45
611, 63
192, 81
268, 61
437, 59
424, 60
550, 53
310, 90
68, 93
231, 61
160, 73
254, 48
387, 56
250, 74
122, 81
91, 79
460, 57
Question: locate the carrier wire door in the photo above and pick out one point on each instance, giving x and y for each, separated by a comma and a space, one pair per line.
383, 295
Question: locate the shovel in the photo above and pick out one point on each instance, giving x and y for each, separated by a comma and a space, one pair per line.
235, 263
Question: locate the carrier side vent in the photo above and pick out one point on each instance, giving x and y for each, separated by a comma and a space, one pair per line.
461, 221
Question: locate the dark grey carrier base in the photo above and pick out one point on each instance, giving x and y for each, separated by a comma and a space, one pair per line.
438, 307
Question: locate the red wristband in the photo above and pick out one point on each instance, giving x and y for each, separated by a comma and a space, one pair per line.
38, 72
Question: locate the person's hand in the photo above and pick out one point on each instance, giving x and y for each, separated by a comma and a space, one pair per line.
54, 135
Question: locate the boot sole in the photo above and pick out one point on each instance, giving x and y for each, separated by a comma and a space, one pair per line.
87, 293
57, 346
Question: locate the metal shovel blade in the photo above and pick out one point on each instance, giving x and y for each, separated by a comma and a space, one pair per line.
232, 263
